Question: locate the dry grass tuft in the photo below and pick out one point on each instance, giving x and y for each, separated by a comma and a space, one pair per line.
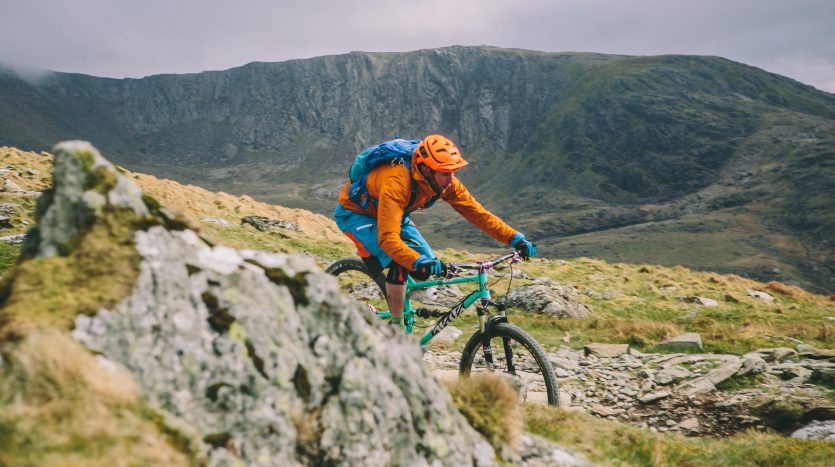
58, 406
796, 293
491, 406
197, 203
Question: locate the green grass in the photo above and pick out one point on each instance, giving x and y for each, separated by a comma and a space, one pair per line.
610, 443
8, 256
643, 313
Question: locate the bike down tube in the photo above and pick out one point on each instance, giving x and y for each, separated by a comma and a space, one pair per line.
483, 294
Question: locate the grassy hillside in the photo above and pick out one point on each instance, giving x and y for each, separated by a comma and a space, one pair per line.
633, 303
642, 304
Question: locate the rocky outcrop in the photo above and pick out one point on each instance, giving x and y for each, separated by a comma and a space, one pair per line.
265, 224
257, 352
550, 299
687, 393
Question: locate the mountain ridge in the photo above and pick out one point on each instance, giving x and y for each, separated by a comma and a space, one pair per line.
558, 143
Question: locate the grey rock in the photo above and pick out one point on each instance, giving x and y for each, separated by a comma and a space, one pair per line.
11, 187
564, 363
539, 452
602, 410
70, 208
700, 301
695, 387
229, 350
728, 368
568, 353
258, 349
791, 371
216, 220
821, 430
689, 424
553, 299
7, 209
608, 295
448, 335
817, 364
752, 363
445, 296
653, 396
806, 350
13, 239
265, 224
671, 374
561, 373
777, 355
761, 295
605, 350
688, 341
5, 223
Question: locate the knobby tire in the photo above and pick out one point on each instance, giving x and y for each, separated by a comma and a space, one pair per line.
519, 336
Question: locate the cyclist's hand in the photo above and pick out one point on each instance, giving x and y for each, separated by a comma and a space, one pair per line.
525, 248
426, 265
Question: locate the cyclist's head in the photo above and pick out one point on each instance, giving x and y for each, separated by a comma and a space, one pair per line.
439, 154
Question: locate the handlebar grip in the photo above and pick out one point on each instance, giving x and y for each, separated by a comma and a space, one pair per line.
424, 270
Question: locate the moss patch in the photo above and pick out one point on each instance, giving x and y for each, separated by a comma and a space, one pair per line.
8, 256
51, 292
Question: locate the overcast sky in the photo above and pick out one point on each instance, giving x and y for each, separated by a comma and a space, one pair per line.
125, 38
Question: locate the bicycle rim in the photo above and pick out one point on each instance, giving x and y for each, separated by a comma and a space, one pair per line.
355, 282
517, 356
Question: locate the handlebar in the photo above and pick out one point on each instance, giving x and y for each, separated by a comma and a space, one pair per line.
451, 268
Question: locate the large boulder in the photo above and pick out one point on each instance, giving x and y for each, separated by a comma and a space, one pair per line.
257, 353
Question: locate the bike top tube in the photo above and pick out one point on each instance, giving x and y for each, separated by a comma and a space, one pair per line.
453, 269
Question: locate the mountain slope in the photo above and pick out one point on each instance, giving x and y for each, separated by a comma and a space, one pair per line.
630, 157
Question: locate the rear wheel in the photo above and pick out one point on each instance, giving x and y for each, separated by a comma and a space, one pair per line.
513, 352
356, 282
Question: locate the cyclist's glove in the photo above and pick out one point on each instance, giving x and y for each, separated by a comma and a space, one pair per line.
426, 265
525, 248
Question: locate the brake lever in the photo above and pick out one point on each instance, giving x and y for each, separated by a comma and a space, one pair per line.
517, 258
449, 271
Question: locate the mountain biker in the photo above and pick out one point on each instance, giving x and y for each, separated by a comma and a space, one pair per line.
383, 232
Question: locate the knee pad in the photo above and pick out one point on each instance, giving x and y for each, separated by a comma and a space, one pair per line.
397, 274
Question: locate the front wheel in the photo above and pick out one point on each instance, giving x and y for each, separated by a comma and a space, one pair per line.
510, 350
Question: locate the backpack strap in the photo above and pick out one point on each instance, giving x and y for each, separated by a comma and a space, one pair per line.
412, 196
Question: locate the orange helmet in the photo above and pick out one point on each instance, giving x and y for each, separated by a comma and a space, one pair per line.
438, 153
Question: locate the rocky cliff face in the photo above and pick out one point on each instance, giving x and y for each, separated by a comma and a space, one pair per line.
256, 353
560, 144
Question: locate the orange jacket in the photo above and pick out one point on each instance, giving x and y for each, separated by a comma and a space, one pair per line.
391, 186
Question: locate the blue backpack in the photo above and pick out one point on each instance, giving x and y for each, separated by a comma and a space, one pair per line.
394, 152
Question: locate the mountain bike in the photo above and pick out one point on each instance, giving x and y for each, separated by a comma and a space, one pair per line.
496, 347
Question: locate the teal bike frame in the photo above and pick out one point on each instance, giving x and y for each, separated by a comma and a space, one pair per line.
482, 294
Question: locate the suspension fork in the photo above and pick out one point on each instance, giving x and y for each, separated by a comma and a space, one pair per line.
484, 325
486, 347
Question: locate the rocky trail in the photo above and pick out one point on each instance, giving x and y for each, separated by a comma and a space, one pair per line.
710, 395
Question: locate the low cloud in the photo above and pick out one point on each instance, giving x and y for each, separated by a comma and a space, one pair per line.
135, 39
